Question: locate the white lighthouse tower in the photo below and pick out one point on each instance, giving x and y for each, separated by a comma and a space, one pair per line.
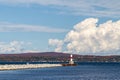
71, 62
71, 59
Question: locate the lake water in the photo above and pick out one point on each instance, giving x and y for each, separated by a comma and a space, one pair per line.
84, 71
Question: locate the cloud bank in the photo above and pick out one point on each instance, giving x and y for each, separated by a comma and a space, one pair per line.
16, 47
9, 27
101, 8
12, 47
87, 37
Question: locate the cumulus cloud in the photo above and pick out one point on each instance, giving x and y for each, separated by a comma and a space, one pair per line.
89, 37
15, 47
9, 27
57, 43
77, 7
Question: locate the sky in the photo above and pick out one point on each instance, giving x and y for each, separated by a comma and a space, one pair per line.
86, 27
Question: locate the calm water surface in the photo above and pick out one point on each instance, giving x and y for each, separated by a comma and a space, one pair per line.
87, 71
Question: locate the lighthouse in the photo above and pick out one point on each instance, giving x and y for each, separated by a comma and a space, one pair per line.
71, 59
71, 62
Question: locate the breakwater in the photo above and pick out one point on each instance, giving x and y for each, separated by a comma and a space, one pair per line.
26, 66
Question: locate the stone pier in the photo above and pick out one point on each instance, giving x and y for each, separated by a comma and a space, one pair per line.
27, 66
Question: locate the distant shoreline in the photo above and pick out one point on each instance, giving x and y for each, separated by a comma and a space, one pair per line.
56, 57
26, 66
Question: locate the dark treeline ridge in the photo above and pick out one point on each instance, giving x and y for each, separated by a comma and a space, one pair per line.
54, 56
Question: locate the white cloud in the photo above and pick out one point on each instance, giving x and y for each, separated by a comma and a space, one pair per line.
88, 37
9, 27
57, 43
12, 47
16, 47
104, 8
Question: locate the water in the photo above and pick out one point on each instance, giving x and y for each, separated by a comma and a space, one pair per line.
84, 71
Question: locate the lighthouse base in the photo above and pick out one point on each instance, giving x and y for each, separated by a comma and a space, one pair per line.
69, 64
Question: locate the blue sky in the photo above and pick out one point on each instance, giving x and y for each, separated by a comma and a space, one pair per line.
27, 25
